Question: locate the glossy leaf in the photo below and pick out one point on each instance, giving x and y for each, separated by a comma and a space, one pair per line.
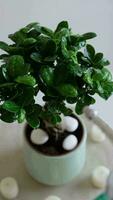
47, 75
32, 115
63, 24
105, 89
11, 106
18, 37
98, 57
67, 90
21, 115
29, 41
90, 51
26, 96
33, 121
89, 35
7, 116
26, 79
16, 66
4, 46
30, 26
86, 100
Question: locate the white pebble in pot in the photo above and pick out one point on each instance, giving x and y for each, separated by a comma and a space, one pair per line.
39, 136
97, 135
52, 198
99, 176
69, 123
9, 188
70, 142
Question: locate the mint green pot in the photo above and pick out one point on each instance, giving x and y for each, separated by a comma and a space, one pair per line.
55, 170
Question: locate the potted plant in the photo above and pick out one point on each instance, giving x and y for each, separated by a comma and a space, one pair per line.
65, 68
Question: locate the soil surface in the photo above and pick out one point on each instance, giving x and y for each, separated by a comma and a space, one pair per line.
54, 147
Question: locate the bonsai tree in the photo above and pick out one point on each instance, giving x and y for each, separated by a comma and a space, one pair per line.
60, 64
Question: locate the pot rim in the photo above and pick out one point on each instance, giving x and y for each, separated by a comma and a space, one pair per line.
84, 137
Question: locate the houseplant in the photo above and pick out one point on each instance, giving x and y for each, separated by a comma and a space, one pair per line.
65, 68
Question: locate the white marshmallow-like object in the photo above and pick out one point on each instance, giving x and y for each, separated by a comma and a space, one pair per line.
52, 198
99, 176
69, 124
97, 135
9, 188
39, 136
70, 142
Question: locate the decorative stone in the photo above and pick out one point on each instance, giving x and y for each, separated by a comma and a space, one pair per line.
70, 142
99, 176
39, 136
52, 198
97, 135
9, 188
69, 124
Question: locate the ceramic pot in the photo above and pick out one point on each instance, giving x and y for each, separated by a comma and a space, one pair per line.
55, 170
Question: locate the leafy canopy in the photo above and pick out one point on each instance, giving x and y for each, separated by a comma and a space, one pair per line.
61, 64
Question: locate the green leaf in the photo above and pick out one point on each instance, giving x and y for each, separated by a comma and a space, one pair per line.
29, 41
18, 37
50, 48
105, 62
67, 90
47, 31
30, 26
105, 89
26, 96
50, 58
33, 121
86, 100
4, 46
26, 79
36, 57
73, 40
21, 115
63, 24
55, 119
64, 32
74, 70
98, 57
63, 109
16, 66
44, 30
2, 79
46, 46
87, 77
64, 47
33, 34
32, 115
4, 57
102, 75
90, 51
79, 108
82, 59
7, 116
10, 106
89, 35
47, 75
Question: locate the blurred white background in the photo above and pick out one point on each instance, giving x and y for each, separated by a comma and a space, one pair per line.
83, 16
